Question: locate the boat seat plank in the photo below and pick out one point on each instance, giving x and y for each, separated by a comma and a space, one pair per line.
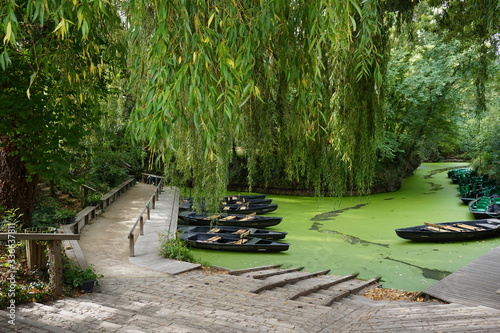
213, 239
212, 217
447, 227
470, 227
227, 218
437, 229
240, 241
248, 217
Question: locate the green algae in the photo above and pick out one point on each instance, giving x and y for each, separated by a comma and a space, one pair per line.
356, 234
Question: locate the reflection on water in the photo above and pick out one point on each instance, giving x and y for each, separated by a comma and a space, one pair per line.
434, 274
332, 215
434, 187
352, 240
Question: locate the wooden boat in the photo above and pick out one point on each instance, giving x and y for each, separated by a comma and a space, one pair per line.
233, 201
248, 197
249, 208
233, 243
244, 208
451, 231
233, 230
485, 207
224, 219
187, 203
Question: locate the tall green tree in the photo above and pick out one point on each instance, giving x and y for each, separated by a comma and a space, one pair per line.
54, 61
295, 84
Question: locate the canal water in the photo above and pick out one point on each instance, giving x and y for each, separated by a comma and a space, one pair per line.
356, 234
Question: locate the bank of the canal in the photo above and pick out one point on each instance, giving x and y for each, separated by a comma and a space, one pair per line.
356, 234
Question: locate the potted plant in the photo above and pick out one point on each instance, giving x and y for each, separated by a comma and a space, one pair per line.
84, 280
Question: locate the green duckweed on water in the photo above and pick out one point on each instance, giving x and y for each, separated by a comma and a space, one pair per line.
356, 234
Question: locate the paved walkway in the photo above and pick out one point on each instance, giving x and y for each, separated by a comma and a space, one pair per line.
162, 224
105, 245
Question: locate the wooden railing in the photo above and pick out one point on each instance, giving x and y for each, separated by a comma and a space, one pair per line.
54, 253
136, 232
111, 196
71, 247
90, 212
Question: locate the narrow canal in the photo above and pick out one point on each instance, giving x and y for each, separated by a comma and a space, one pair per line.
356, 234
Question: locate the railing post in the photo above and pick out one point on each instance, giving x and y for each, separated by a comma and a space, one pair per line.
154, 201
141, 225
55, 262
131, 244
149, 212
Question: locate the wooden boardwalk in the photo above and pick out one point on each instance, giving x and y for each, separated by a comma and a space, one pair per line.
474, 284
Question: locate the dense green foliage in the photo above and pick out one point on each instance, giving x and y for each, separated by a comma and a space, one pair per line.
311, 94
55, 62
294, 84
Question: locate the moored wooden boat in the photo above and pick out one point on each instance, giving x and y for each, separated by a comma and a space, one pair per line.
247, 197
233, 230
233, 243
240, 201
451, 231
249, 208
243, 208
485, 207
224, 219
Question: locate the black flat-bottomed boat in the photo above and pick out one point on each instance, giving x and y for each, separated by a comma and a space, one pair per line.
233, 243
485, 207
224, 219
451, 231
233, 230
246, 207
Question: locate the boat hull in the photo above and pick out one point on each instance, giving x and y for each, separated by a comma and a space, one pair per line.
241, 220
485, 207
232, 243
240, 208
229, 230
484, 228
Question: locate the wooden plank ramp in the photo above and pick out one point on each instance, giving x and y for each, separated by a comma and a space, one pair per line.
474, 284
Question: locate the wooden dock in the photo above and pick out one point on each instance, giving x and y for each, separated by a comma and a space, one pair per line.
474, 284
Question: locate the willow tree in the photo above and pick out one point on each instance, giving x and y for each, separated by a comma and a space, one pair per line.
476, 25
54, 61
295, 84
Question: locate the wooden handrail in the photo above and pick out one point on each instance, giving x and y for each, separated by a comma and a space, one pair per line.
38, 236
140, 220
54, 253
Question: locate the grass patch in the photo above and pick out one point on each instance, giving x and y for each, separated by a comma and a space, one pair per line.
177, 249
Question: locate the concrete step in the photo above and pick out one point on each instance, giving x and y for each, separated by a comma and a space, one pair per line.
24, 324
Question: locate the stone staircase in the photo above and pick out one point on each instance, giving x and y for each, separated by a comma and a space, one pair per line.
313, 288
266, 299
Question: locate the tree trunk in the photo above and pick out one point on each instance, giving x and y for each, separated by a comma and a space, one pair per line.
17, 185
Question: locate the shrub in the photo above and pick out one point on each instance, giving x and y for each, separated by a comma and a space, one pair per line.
175, 248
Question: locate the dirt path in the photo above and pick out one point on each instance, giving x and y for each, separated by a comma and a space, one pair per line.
104, 242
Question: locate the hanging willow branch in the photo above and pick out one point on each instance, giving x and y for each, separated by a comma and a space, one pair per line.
294, 83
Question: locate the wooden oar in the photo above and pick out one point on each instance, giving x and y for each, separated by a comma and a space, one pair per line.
446, 227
